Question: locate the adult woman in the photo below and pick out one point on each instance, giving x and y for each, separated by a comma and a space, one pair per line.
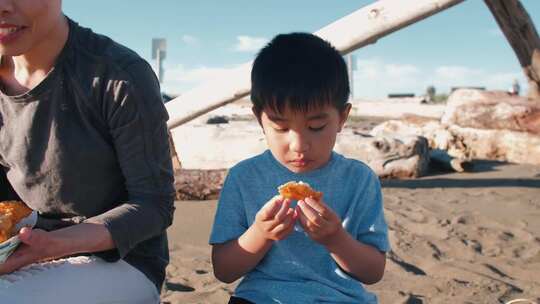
83, 141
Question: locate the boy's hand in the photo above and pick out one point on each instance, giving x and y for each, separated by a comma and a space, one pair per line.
319, 221
276, 219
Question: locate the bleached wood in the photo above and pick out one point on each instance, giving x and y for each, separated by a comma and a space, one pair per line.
517, 26
467, 144
492, 110
213, 147
362, 27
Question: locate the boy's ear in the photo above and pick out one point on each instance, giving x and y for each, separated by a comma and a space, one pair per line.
344, 114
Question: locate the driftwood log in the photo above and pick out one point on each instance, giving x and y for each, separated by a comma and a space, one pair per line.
477, 125
199, 184
466, 144
517, 26
403, 156
492, 110
208, 151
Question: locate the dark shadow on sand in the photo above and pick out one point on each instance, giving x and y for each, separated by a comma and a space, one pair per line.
475, 166
178, 287
486, 165
461, 183
436, 178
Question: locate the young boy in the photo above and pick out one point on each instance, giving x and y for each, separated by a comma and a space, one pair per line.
316, 251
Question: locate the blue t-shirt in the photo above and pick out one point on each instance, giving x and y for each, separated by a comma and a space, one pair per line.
298, 269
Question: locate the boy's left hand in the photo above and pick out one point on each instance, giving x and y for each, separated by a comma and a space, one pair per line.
319, 221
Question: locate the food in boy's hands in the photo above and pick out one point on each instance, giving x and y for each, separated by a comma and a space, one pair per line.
11, 212
298, 191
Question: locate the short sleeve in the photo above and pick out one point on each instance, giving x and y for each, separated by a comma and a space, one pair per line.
371, 226
230, 220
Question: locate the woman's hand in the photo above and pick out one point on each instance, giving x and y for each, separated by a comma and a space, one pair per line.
39, 245
319, 221
276, 219
36, 245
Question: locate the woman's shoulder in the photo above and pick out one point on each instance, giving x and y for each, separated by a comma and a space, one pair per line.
98, 47
94, 57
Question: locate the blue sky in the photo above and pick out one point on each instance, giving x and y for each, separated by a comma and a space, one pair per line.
461, 46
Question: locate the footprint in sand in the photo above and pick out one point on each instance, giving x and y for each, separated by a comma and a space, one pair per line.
437, 253
411, 298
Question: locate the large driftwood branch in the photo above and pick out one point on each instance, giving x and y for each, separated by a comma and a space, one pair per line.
364, 26
521, 33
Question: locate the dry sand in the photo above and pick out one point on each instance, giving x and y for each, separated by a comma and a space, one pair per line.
456, 238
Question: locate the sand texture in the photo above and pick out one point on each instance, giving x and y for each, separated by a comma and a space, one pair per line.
456, 238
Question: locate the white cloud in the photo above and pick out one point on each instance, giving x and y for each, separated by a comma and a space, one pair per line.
451, 76
401, 70
179, 79
190, 40
456, 73
249, 44
376, 78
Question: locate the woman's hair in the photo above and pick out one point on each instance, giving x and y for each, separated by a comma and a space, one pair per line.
299, 71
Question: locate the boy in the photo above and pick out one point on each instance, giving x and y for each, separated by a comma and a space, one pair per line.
316, 251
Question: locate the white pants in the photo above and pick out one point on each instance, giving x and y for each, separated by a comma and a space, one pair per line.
82, 280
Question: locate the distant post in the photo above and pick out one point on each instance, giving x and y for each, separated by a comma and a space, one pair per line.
159, 51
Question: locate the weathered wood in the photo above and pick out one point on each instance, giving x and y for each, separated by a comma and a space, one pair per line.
492, 110
177, 165
199, 184
521, 33
396, 156
211, 147
205, 169
467, 144
362, 27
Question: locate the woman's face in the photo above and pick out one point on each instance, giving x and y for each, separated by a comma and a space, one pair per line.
28, 25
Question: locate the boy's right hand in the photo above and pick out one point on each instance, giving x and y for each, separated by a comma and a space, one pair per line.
276, 219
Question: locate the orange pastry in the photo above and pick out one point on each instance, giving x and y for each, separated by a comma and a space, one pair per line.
11, 212
298, 191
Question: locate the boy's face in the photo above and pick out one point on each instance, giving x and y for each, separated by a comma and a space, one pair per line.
27, 24
301, 141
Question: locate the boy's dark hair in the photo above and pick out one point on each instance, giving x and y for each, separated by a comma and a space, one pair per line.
300, 71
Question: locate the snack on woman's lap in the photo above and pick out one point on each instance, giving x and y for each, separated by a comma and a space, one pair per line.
11, 212
298, 191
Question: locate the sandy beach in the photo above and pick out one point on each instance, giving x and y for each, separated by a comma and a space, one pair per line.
456, 238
